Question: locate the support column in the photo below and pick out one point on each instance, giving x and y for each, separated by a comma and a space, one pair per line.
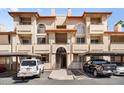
16, 64
68, 60
53, 61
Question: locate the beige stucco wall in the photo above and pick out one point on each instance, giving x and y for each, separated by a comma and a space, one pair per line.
4, 40
60, 20
49, 23
71, 23
71, 47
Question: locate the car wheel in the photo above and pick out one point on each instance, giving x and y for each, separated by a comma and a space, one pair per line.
22, 78
109, 75
95, 73
38, 76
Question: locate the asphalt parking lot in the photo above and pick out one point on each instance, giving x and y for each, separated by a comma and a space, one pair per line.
44, 80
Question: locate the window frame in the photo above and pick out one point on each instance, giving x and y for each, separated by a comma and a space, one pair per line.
80, 40
41, 28
42, 41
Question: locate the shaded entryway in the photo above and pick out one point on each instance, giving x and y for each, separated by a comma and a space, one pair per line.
61, 58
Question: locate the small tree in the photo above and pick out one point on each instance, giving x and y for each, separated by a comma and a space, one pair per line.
120, 22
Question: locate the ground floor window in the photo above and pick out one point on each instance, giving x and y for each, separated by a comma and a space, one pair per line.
79, 58
45, 58
96, 57
117, 59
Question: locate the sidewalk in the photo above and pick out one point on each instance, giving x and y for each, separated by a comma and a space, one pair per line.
7, 74
61, 74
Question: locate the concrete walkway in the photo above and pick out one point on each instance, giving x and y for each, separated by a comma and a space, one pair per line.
61, 74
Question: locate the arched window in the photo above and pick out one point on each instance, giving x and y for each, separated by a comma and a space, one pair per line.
41, 28
80, 28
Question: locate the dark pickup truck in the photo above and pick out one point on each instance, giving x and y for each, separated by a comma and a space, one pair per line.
99, 67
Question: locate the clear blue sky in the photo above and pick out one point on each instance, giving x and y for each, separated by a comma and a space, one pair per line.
117, 14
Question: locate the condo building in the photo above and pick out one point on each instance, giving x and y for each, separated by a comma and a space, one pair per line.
61, 40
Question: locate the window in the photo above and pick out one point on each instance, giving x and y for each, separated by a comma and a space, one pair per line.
25, 21
96, 21
80, 28
41, 28
94, 41
41, 40
25, 41
80, 40
61, 26
96, 57
61, 38
115, 58
28, 63
45, 58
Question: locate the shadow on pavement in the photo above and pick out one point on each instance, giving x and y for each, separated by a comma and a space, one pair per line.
78, 72
7, 74
98, 77
22, 80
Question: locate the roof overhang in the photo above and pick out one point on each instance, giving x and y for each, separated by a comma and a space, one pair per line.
60, 30
104, 53
114, 33
74, 17
19, 54
7, 33
47, 17
96, 13
23, 13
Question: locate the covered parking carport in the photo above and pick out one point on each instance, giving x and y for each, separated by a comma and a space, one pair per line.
17, 55
105, 53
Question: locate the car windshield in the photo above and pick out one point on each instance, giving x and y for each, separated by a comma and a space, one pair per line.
28, 63
99, 62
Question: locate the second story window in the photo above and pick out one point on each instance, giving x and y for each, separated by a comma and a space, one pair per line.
80, 40
94, 41
26, 41
96, 20
25, 21
80, 28
41, 28
41, 40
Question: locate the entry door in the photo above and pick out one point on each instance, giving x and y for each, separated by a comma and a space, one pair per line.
63, 61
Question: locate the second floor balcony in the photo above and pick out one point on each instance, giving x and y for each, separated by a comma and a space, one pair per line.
117, 47
97, 47
24, 48
97, 28
41, 48
24, 29
80, 48
5, 48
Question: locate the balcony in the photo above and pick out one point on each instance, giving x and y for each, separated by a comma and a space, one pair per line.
56, 46
96, 47
80, 48
5, 48
44, 48
24, 48
24, 29
117, 47
97, 28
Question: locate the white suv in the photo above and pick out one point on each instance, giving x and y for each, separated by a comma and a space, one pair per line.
30, 67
